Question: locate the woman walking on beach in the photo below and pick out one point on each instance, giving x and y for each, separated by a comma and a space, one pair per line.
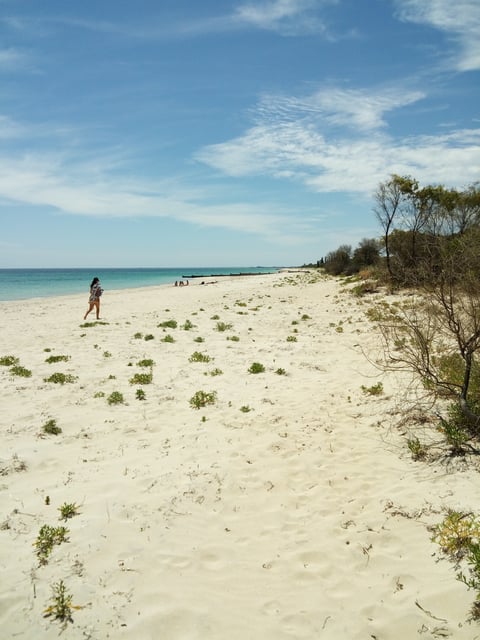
94, 300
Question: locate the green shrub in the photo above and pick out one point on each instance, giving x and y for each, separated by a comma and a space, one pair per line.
168, 324
51, 428
149, 336
52, 359
138, 335
61, 607
20, 371
140, 394
187, 325
223, 326
47, 538
256, 367
141, 378
115, 398
291, 338
197, 356
147, 362
168, 338
68, 510
417, 449
9, 361
60, 378
215, 317
375, 390
245, 408
216, 372
233, 338
281, 372
199, 339
202, 399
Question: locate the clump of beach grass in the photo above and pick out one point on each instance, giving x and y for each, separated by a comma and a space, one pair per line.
59, 358
9, 361
202, 399
256, 367
60, 378
197, 356
142, 378
68, 510
116, 398
51, 428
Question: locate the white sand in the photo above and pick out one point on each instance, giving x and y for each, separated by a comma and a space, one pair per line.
303, 518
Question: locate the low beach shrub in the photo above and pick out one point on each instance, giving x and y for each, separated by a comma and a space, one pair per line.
202, 399
68, 510
168, 338
223, 326
62, 606
374, 390
216, 372
280, 372
199, 339
60, 378
20, 371
187, 325
142, 378
245, 408
233, 338
47, 538
140, 394
9, 361
51, 428
168, 324
52, 359
256, 367
197, 356
291, 338
149, 336
146, 362
115, 398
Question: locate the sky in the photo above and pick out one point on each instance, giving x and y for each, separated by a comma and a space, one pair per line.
170, 133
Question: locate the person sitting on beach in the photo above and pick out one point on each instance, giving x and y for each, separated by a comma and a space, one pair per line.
94, 299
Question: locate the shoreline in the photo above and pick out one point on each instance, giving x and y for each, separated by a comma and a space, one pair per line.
289, 501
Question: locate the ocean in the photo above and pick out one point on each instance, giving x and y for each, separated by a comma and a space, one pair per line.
22, 284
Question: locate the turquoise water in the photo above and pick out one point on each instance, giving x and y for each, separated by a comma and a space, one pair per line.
21, 284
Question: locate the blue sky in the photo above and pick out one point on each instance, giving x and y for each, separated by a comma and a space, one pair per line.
166, 133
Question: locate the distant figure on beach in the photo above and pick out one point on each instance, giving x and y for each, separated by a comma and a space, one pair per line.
94, 299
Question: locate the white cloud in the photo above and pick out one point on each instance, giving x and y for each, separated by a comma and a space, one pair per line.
285, 16
460, 20
300, 145
12, 59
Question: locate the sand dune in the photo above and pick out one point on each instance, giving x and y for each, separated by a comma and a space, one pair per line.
290, 508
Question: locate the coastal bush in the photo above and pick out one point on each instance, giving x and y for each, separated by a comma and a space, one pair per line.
149, 336
281, 372
20, 371
146, 362
9, 361
141, 378
216, 372
187, 325
68, 510
215, 317
374, 390
202, 399
233, 338
256, 367
60, 378
62, 606
223, 326
199, 339
140, 394
52, 359
291, 338
51, 428
197, 356
168, 338
458, 536
115, 398
245, 408
107, 354
47, 538
138, 335
87, 325
418, 450
168, 324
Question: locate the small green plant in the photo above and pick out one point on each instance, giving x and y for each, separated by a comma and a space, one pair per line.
306, 317
107, 354
455, 430
291, 338
459, 538
202, 399
256, 367
140, 394
418, 450
245, 408
9, 361
115, 398
199, 339
197, 356
149, 336
187, 325
47, 538
87, 325
215, 317
99, 394
138, 335
339, 329
294, 322
141, 378
51, 428
147, 362
62, 606
374, 390
223, 326
233, 338
52, 359
60, 378
280, 372
168, 324
216, 372
68, 510
18, 370
168, 338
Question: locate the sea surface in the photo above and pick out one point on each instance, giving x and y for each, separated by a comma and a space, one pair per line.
22, 284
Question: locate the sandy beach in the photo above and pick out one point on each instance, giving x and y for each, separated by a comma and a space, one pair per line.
289, 508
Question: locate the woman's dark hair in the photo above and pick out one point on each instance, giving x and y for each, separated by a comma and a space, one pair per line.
94, 281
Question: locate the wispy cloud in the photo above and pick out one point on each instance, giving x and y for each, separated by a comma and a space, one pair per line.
13, 59
460, 20
294, 139
288, 17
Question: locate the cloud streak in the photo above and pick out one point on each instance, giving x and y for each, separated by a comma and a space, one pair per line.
460, 20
